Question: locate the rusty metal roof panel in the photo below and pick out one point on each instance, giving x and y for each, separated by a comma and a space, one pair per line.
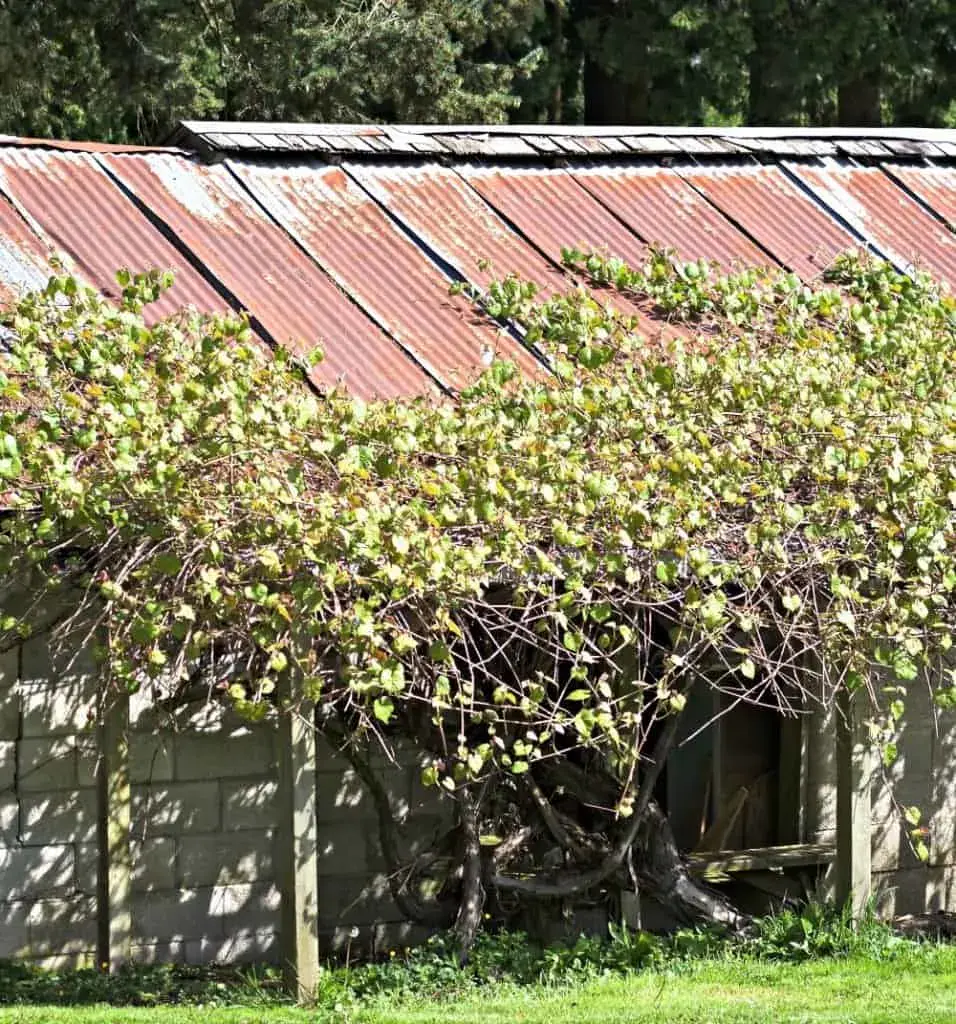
393, 280
290, 296
83, 214
552, 210
24, 257
663, 209
455, 223
935, 186
877, 208
780, 215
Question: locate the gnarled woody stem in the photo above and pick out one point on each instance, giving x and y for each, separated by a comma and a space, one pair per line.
572, 885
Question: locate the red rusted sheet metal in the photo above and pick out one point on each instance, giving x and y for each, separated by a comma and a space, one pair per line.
777, 213
936, 186
894, 222
268, 273
455, 223
446, 213
74, 204
24, 258
663, 209
396, 283
553, 211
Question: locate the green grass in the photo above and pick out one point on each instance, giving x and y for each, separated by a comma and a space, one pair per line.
917, 987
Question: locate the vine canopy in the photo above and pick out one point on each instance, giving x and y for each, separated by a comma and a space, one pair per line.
762, 489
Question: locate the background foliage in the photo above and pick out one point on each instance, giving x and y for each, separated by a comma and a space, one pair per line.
126, 70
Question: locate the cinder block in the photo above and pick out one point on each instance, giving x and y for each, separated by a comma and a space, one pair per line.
154, 864
342, 850
158, 953
223, 859
9, 668
35, 872
905, 892
87, 760
9, 697
175, 808
84, 960
87, 868
342, 797
256, 906
161, 917
61, 817
14, 931
57, 710
150, 758
241, 947
249, 805
355, 901
62, 927
57, 694
224, 755
9, 823
8, 764
47, 762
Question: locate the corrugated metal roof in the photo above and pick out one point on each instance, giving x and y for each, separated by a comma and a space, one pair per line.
85, 216
24, 258
357, 251
780, 215
440, 208
935, 186
883, 213
553, 210
351, 237
268, 273
663, 209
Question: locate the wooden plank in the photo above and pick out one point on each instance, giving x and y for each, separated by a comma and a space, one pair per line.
297, 869
855, 766
766, 858
114, 860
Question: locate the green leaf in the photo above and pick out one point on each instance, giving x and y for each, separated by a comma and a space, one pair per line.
383, 709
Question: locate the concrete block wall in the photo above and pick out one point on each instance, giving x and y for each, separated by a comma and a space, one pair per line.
924, 775
203, 829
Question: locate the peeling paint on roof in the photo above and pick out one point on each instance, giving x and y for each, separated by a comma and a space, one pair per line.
381, 268
85, 218
438, 206
894, 222
663, 209
269, 274
350, 236
776, 212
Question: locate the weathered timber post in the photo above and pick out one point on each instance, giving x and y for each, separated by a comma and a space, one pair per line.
114, 860
855, 768
297, 873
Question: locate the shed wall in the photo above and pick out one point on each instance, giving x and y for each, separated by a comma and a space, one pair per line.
204, 830
204, 826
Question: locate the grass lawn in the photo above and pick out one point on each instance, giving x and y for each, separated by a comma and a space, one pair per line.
920, 989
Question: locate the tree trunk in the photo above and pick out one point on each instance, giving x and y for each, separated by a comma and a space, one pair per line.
612, 98
662, 874
858, 102
769, 102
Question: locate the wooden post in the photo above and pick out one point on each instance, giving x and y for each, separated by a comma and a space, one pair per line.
854, 813
114, 861
297, 873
